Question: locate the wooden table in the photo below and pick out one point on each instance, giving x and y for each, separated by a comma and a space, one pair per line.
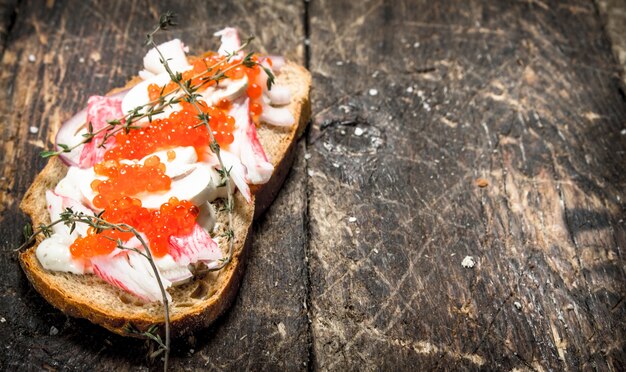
440, 130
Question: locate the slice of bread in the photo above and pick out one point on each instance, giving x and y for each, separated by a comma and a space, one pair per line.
195, 304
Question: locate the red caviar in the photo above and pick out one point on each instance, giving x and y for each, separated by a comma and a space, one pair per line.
171, 155
203, 69
128, 179
255, 91
173, 218
181, 128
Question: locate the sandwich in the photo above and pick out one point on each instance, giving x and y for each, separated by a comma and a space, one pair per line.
146, 205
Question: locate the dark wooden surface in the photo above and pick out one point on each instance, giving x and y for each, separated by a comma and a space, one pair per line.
357, 265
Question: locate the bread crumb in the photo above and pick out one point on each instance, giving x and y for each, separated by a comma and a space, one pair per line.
468, 262
409, 90
358, 131
2, 320
481, 182
518, 305
623, 132
352, 219
307, 156
95, 56
373, 92
81, 60
416, 45
32, 58
282, 330
33, 130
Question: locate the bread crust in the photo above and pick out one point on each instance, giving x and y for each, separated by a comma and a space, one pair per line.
190, 309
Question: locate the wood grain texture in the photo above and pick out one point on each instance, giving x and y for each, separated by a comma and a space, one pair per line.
82, 49
414, 102
7, 18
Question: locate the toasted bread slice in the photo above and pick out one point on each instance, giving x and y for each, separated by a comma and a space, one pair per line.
195, 304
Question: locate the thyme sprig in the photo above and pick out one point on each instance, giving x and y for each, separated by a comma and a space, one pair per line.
187, 91
70, 219
157, 106
192, 97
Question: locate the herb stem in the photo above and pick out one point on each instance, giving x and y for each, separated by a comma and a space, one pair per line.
42, 229
191, 98
165, 300
154, 107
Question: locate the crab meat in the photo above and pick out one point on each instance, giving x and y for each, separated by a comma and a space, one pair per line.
131, 272
228, 89
247, 146
193, 247
237, 172
172, 271
174, 53
99, 110
279, 95
57, 204
229, 38
137, 98
277, 116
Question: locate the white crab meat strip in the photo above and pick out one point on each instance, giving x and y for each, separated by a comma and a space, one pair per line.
200, 185
131, 272
172, 271
57, 204
184, 158
230, 41
193, 247
99, 110
247, 146
174, 53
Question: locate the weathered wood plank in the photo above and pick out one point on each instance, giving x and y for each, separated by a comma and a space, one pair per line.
87, 48
7, 16
613, 13
414, 102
